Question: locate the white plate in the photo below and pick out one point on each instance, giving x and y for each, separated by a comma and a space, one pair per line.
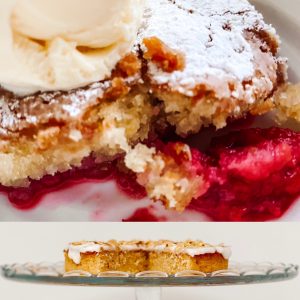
103, 202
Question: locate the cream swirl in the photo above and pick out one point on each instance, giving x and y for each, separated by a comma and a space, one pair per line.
64, 44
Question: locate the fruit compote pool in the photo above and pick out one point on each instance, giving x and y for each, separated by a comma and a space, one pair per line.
261, 175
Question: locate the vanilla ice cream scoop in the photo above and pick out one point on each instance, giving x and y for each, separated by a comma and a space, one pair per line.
63, 44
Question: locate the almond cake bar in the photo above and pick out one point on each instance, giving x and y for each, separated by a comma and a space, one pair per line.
138, 256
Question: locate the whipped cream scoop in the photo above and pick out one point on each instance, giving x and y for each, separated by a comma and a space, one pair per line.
63, 44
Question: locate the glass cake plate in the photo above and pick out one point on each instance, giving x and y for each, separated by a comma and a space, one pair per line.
148, 284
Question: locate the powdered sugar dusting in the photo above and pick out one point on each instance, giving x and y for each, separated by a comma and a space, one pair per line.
211, 35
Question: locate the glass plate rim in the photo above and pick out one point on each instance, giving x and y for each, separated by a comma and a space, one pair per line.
243, 273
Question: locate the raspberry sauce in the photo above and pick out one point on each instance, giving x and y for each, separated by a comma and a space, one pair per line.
260, 171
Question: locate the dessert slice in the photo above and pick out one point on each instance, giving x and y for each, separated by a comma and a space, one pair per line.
138, 256
194, 63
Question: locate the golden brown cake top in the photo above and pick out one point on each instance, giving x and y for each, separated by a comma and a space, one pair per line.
189, 247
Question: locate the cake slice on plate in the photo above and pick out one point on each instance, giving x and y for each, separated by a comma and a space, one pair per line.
138, 256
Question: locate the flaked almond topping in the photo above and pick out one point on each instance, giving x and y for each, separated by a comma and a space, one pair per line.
163, 56
130, 65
